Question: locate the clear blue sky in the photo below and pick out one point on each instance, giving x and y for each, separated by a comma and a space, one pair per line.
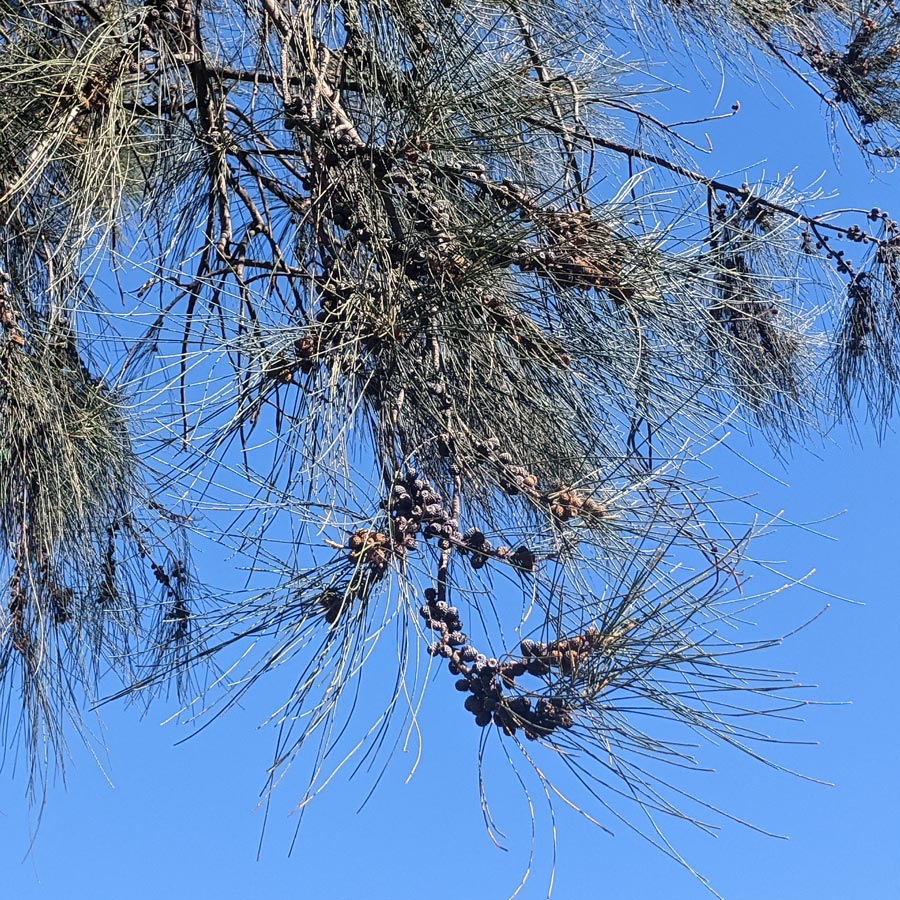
180, 821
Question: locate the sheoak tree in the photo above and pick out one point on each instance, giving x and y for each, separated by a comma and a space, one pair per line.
415, 316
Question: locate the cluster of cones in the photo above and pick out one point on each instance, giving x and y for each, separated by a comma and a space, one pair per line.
9, 319
487, 703
565, 654
304, 359
518, 480
568, 504
487, 681
416, 507
444, 620
580, 252
564, 503
370, 548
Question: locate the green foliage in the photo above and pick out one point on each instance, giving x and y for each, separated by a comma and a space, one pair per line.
375, 324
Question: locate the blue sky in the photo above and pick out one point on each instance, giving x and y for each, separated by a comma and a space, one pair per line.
183, 821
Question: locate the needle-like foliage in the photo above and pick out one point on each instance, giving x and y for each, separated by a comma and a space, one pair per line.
415, 315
